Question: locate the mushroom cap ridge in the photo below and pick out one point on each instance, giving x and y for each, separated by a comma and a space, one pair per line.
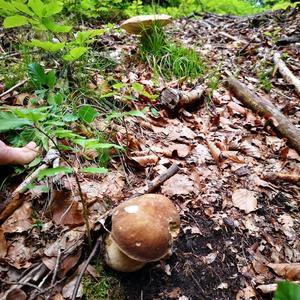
144, 227
138, 24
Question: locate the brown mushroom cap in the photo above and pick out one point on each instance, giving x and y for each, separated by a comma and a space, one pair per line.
144, 227
138, 24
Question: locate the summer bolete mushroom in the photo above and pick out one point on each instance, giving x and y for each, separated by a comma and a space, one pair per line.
139, 24
142, 231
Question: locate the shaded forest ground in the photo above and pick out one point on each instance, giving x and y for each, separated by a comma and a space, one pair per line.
222, 252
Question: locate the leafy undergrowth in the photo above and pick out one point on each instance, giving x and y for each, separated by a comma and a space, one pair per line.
99, 110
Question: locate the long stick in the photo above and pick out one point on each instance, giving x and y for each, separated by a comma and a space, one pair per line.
77, 284
264, 107
286, 73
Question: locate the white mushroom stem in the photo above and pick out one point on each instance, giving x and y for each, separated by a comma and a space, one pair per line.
117, 260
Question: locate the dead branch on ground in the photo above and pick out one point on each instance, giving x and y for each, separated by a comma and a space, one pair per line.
289, 77
264, 107
173, 98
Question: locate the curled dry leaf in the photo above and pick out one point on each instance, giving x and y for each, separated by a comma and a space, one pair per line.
65, 265
267, 288
18, 255
250, 150
65, 210
288, 271
3, 244
244, 200
147, 160
20, 220
210, 258
181, 150
215, 152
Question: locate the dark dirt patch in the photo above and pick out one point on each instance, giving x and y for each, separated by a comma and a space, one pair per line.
191, 275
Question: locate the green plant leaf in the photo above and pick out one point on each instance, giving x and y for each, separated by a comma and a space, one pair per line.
54, 27
114, 115
51, 79
46, 45
54, 171
96, 144
106, 146
65, 133
287, 291
37, 74
52, 8
94, 170
15, 21
32, 114
6, 8
37, 7
69, 117
55, 99
75, 53
9, 121
136, 113
87, 113
83, 37
22, 8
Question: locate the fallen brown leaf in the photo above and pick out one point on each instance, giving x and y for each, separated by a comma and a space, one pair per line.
179, 184
3, 244
244, 200
290, 271
20, 220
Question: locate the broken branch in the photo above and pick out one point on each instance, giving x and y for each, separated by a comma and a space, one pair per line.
173, 98
286, 73
264, 107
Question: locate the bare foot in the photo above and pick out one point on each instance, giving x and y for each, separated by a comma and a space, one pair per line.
17, 156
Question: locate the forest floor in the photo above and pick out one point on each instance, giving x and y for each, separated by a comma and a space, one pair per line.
240, 224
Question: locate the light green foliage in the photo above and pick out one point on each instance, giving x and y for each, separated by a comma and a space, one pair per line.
87, 113
135, 8
287, 291
184, 7
107, 10
55, 121
54, 171
9, 121
36, 13
264, 76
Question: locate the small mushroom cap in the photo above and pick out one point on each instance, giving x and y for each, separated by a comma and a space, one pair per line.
138, 24
144, 227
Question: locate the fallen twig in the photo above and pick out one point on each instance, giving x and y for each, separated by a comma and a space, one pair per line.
77, 284
233, 38
20, 283
264, 107
173, 98
14, 87
158, 181
286, 177
286, 73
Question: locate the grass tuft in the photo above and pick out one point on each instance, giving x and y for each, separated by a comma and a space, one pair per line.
169, 59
